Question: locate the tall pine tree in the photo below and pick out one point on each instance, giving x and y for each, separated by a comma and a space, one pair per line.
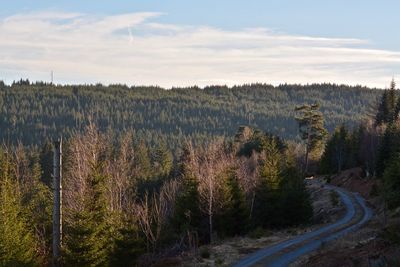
312, 130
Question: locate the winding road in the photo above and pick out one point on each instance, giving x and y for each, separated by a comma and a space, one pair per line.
282, 254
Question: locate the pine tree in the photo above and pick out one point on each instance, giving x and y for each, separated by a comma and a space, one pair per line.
312, 130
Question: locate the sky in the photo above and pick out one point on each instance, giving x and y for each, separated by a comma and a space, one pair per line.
176, 43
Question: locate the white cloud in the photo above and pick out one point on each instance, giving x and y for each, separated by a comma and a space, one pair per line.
134, 49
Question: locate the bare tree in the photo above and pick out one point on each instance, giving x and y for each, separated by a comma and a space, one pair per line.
120, 170
248, 172
212, 161
154, 211
84, 152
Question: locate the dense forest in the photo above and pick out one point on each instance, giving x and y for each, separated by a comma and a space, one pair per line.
34, 113
130, 197
374, 145
124, 204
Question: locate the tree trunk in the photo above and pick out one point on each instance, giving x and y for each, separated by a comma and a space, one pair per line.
210, 214
252, 204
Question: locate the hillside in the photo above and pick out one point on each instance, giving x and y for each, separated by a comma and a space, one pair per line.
33, 113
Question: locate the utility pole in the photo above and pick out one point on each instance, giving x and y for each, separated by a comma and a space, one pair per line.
52, 77
57, 208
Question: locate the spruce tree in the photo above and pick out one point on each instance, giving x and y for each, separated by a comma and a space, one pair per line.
162, 161
391, 179
270, 171
266, 206
390, 145
336, 153
127, 244
187, 216
295, 201
88, 241
235, 215
17, 243
38, 201
143, 163
387, 109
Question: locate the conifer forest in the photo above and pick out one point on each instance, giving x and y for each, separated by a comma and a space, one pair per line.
148, 171
199, 133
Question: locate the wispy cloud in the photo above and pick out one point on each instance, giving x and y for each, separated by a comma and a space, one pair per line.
135, 49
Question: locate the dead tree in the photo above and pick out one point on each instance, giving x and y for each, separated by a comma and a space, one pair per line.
57, 208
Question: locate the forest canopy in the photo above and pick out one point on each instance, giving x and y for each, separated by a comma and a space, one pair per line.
34, 113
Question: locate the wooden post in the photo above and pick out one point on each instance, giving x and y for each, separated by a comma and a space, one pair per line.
57, 208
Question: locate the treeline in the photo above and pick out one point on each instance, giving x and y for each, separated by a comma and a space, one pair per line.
35, 112
374, 145
125, 203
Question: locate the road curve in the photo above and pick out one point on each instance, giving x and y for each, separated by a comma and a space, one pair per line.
312, 240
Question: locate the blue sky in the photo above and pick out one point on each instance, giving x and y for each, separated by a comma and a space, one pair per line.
364, 31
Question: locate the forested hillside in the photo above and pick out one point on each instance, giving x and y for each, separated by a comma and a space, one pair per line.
33, 113
122, 209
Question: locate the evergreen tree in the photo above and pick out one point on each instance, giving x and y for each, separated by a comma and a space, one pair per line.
38, 203
235, 216
162, 160
295, 204
187, 215
382, 114
143, 163
391, 178
128, 246
336, 153
46, 163
266, 206
270, 171
312, 130
387, 110
17, 244
87, 241
389, 146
